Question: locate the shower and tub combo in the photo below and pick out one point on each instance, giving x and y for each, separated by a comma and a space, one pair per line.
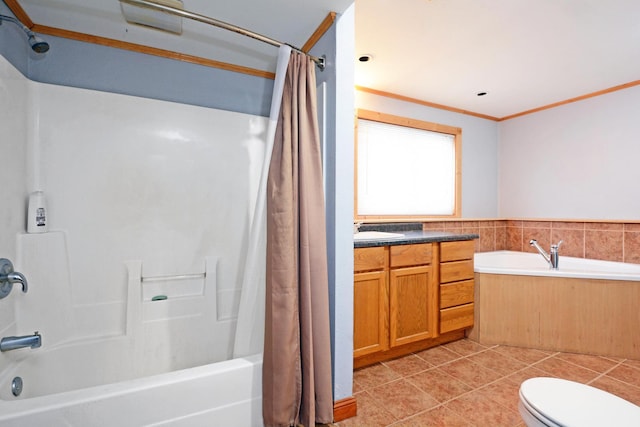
126, 380
133, 305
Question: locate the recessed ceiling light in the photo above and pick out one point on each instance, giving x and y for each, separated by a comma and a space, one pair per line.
481, 93
365, 58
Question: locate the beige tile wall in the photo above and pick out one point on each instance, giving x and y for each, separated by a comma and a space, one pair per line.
610, 241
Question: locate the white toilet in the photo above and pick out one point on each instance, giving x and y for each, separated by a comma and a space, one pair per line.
554, 402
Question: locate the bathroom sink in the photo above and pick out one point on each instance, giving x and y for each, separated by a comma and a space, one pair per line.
375, 235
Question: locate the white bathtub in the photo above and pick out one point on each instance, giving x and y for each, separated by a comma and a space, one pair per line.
586, 306
221, 394
532, 264
168, 368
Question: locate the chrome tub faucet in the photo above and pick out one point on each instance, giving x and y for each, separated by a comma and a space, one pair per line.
552, 257
14, 343
8, 277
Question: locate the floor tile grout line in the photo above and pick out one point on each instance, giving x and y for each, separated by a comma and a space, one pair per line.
458, 359
603, 374
502, 376
530, 365
468, 357
417, 414
472, 390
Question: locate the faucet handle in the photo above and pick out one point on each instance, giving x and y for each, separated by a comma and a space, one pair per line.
557, 245
8, 277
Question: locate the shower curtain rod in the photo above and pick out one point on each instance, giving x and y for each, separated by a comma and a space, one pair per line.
320, 61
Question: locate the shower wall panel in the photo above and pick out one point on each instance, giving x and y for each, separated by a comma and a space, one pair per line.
134, 179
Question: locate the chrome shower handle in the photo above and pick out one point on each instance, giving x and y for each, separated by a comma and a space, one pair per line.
8, 277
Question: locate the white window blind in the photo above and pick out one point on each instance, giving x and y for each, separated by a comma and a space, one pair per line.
404, 171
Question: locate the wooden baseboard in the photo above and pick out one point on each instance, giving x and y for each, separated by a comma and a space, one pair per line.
344, 408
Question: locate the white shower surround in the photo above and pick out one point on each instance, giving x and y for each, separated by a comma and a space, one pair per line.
139, 191
129, 178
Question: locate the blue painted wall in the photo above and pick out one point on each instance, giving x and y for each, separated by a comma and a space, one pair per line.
90, 66
339, 46
13, 43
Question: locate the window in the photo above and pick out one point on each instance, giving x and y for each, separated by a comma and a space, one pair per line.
406, 168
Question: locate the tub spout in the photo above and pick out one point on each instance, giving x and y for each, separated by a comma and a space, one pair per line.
14, 343
552, 257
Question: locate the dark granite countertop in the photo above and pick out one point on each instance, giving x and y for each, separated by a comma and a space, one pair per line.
410, 233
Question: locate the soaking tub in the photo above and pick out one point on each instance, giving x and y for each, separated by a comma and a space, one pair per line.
586, 306
220, 394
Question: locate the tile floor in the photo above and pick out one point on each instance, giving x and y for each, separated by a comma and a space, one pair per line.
464, 383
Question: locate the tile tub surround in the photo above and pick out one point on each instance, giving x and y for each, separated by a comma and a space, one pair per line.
463, 383
604, 240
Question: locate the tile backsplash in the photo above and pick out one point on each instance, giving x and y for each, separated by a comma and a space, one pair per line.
610, 241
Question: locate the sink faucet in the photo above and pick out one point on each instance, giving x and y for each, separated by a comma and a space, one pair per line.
552, 257
356, 227
13, 343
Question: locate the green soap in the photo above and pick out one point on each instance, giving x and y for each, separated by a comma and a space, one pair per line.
159, 298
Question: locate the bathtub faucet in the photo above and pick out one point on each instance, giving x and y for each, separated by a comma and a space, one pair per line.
14, 343
8, 277
552, 257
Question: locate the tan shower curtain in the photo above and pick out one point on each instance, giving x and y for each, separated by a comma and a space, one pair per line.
297, 356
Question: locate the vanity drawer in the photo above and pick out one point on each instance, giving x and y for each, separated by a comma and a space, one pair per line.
406, 255
456, 251
456, 293
455, 318
366, 259
456, 270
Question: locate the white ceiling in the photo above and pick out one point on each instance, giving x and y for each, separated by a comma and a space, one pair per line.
524, 53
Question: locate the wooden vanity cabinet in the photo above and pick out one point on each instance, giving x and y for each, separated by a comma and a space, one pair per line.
410, 297
370, 301
456, 285
413, 295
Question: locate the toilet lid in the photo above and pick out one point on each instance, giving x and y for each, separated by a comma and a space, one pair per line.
568, 403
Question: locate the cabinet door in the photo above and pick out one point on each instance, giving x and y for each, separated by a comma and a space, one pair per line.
412, 302
370, 313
